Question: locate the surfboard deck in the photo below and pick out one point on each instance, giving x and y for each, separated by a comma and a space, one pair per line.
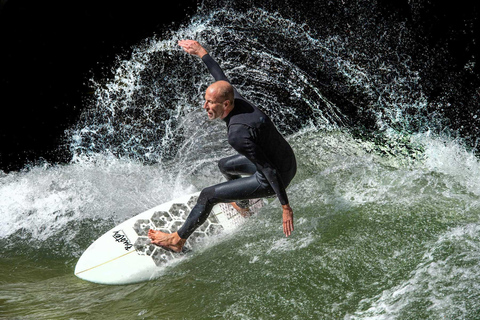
125, 255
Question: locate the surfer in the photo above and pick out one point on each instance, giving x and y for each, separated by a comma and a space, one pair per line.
263, 155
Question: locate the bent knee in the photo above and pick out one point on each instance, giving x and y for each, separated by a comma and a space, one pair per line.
206, 196
223, 164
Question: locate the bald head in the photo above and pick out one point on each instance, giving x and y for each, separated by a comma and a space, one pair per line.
222, 89
219, 99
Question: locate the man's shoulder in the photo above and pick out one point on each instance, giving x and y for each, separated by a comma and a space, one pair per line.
247, 114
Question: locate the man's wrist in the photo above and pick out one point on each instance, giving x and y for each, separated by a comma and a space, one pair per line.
202, 53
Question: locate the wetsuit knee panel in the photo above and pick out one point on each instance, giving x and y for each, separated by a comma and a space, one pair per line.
206, 196
222, 165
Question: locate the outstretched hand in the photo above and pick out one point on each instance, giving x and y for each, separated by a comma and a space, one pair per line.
287, 220
192, 47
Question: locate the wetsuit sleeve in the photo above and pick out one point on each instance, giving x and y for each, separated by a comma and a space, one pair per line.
243, 142
217, 73
214, 68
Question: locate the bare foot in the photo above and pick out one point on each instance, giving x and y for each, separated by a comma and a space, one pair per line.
170, 241
244, 212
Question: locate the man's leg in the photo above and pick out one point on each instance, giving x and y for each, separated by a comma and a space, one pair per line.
238, 189
233, 168
242, 188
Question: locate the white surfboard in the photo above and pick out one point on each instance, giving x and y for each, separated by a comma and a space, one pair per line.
124, 254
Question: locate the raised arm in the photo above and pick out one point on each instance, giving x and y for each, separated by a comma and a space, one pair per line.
194, 48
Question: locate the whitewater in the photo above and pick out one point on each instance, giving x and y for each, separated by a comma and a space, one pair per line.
386, 217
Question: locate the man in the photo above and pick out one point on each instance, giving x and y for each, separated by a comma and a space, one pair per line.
264, 155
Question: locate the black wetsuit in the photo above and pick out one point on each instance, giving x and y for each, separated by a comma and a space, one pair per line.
263, 154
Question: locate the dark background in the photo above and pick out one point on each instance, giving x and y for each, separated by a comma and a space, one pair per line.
50, 49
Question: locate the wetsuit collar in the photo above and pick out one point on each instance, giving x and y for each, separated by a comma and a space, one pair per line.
231, 114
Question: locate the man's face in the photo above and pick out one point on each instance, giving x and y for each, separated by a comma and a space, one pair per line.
214, 105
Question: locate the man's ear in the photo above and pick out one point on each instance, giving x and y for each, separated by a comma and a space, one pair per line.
226, 104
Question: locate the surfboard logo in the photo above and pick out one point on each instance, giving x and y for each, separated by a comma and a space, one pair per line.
121, 237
